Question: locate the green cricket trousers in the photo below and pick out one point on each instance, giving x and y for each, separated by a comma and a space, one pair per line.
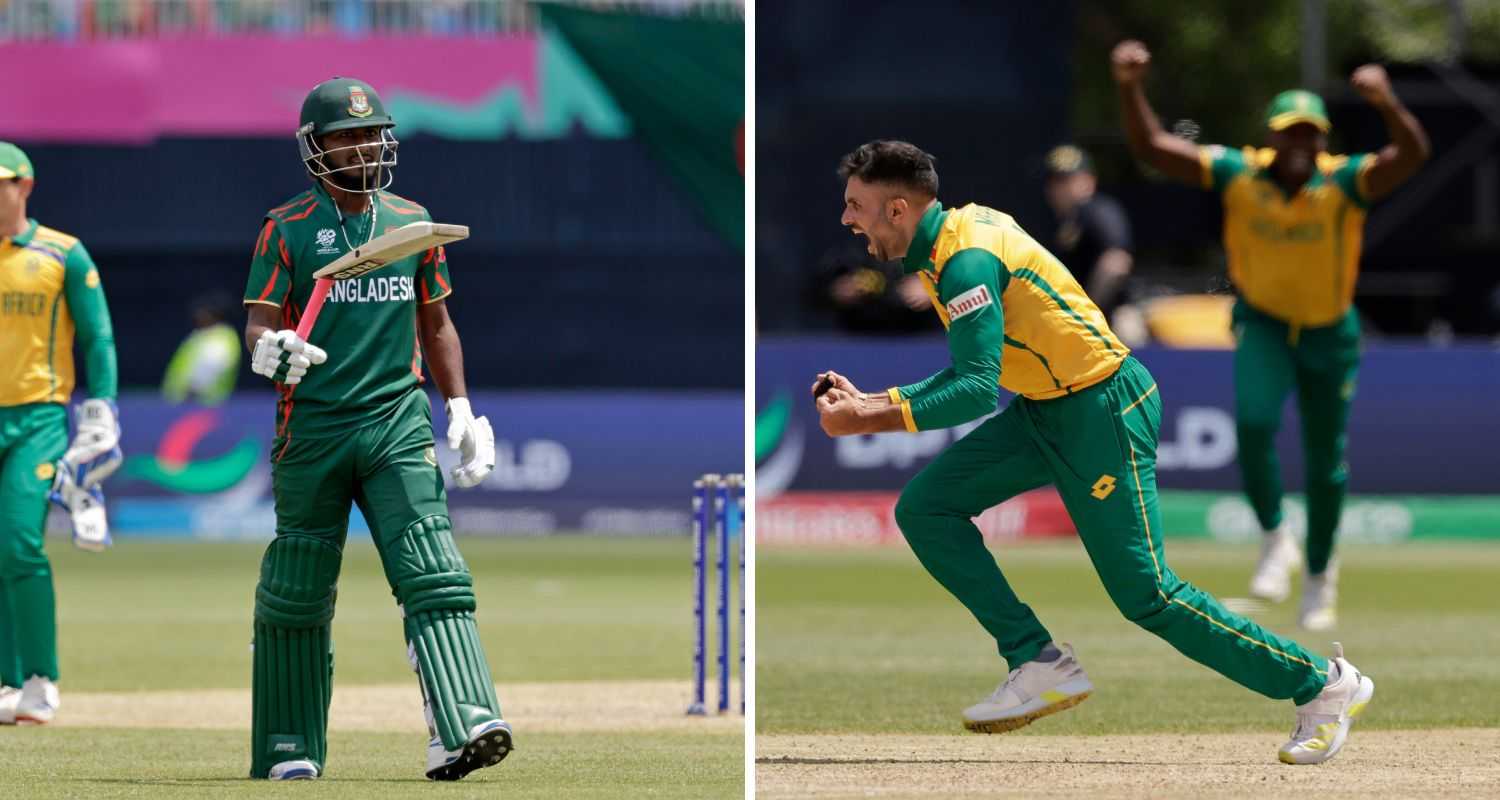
1098, 447
1271, 359
389, 469
32, 438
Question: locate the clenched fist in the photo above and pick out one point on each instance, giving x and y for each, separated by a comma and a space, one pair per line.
1373, 85
283, 357
1129, 62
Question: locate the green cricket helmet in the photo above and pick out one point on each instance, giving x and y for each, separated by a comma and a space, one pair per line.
341, 104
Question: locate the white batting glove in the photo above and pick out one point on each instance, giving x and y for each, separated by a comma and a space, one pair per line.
86, 508
283, 357
473, 438
95, 451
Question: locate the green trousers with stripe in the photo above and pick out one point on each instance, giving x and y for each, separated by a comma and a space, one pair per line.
1098, 447
1270, 360
32, 438
389, 469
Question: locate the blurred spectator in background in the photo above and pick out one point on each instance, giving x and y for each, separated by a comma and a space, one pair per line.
1093, 238
871, 296
206, 365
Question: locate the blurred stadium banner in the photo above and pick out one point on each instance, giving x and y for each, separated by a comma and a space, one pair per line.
1423, 450
175, 68
525, 84
854, 519
566, 462
686, 99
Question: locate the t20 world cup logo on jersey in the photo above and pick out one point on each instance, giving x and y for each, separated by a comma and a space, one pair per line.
326, 238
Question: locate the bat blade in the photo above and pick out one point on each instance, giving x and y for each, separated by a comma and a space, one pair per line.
398, 244
372, 255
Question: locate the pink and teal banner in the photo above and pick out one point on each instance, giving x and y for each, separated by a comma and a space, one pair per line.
525, 86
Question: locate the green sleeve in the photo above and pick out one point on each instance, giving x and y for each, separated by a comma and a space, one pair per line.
433, 282
914, 389
1220, 165
970, 288
1347, 178
270, 267
95, 334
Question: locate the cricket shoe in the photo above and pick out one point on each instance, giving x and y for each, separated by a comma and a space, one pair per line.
1279, 558
38, 702
1320, 595
489, 743
9, 697
1031, 691
295, 770
1323, 722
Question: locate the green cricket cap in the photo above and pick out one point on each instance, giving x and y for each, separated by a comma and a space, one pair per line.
14, 163
1294, 106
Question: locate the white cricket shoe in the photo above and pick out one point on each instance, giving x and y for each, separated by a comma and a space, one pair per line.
1279, 558
1031, 691
296, 770
489, 742
9, 697
1323, 723
38, 702
1320, 594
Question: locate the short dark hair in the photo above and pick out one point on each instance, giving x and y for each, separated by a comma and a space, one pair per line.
891, 161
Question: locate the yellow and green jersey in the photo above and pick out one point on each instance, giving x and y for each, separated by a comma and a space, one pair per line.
368, 325
50, 291
1015, 318
1294, 257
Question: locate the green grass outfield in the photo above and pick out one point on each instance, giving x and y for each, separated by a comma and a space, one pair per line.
864, 641
159, 616
89, 763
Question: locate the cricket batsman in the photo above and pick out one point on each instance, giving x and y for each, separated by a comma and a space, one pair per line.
49, 292
1086, 419
1294, 216
354, 426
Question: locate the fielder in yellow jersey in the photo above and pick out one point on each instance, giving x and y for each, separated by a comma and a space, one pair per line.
49, 290
1086, 420
1293, 222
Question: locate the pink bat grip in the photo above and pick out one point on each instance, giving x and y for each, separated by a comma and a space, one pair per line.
314, 305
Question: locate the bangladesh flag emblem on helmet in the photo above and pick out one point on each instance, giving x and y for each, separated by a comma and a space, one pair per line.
359, 102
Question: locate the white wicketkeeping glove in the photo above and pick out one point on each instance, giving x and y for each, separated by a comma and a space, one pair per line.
283, 357
95, 451
473, 438
85, 506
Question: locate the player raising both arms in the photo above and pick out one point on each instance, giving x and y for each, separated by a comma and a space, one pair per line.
49, 289
1087, 419
1293, 220
353, 426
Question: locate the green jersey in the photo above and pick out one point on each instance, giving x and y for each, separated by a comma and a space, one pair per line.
368, 325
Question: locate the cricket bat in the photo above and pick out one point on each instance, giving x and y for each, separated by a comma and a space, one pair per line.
374, 254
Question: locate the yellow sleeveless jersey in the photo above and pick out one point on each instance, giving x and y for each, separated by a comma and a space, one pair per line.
1055, 340
36, 325
1294, 257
